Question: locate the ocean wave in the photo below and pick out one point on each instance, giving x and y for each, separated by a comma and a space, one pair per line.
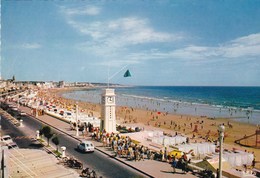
182, 102
226, 105
141, 97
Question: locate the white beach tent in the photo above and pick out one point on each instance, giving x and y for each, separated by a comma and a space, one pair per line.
238, 158
158, 138
198, 148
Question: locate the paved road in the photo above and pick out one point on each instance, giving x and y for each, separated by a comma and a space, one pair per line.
22, 140
102, 164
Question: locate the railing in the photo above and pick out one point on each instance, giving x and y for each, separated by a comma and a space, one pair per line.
12, 92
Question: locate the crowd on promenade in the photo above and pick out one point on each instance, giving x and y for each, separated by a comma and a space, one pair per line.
123, 146
132, 150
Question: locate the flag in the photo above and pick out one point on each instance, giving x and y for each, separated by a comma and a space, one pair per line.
127, 74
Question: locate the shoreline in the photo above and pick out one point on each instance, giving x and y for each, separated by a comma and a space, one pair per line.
176, 107
190, 116
172, 123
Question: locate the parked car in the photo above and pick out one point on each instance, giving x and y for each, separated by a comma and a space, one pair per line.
12, 145
86, 146
8, 141
22, 114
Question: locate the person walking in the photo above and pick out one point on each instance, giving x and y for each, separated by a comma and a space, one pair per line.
165, 154
174, 163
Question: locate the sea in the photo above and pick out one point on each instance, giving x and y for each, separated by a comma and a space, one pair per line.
238, 103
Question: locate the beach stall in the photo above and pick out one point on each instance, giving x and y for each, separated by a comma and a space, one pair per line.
238, 158
155, 133
166, 140
233, 158
198, 148
159, 138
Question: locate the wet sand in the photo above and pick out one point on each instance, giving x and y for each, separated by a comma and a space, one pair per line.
170, 123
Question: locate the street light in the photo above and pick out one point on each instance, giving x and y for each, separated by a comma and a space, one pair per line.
0, 127
18, 104
221, 130
77, 130
36, 108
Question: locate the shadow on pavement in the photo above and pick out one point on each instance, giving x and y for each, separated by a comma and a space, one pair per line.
171, 172
36, 145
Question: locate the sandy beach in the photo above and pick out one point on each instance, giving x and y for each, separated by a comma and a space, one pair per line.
200, 127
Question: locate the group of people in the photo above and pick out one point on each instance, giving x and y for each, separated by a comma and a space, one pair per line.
84, 127
125, 147
181, 163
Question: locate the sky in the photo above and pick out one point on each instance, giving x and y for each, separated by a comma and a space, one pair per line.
166, 42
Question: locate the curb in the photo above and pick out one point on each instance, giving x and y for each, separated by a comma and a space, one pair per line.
60, 118
95, 147
124, 163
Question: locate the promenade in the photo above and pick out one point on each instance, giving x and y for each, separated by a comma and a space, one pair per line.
37, 163
151, 168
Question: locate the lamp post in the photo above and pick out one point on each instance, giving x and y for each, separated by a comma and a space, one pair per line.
221, 130
0, 127
18, 104
36, 108
77, 129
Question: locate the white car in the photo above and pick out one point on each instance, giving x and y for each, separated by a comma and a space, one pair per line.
86, 146
12, 145
8, 141
23, 114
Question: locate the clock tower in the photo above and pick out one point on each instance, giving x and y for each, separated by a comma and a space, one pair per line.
108, 111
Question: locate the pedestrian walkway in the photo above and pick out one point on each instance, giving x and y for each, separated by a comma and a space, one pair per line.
151, 168
35, 163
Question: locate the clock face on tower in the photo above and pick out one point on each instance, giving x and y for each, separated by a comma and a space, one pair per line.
110, 99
